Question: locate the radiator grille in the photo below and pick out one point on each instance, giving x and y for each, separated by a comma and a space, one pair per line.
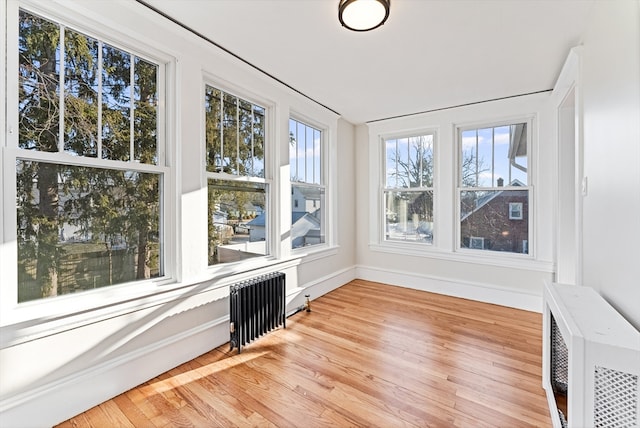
559, 359
257, 306
616, 398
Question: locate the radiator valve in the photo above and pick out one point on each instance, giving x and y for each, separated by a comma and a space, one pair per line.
307, 303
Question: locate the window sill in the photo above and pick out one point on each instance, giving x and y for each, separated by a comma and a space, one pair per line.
23, 329
516, 261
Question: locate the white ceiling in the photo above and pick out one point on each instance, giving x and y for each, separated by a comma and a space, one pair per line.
430, 54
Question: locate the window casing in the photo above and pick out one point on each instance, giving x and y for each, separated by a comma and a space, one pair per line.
408, 191
238, 192
494, 187
89, 162
306, 165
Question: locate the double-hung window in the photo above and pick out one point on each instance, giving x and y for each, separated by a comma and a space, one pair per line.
408, 188
89, 162
235, 168
494, 187
307, 188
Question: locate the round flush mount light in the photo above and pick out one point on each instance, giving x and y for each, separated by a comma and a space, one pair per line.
363, 15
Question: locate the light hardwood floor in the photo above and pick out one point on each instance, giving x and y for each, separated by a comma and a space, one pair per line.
368, 355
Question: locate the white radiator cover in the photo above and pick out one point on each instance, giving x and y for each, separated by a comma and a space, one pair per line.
590, 349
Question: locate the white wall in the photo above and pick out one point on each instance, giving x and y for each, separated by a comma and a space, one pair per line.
495, 278
610, 84
54, 369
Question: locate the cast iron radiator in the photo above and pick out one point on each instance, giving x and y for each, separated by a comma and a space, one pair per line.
257, 306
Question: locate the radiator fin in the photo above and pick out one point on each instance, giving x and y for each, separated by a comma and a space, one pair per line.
257, 306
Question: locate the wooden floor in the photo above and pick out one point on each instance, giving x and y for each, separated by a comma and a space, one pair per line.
367, 355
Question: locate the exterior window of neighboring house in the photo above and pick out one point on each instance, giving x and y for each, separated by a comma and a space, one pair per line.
408, 188
515, 211
494, 188
89, 162
235, 169
307, 183
476, 243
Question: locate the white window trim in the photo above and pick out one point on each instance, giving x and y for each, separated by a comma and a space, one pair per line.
83, 306
272, 153
530, 120
377, 163
446, 237
328, 173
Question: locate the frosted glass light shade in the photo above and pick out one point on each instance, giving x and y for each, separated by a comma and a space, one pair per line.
363, 15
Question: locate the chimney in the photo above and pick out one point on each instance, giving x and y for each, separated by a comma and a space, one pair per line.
500, 182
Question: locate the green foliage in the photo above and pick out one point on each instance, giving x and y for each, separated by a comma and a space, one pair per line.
113, 207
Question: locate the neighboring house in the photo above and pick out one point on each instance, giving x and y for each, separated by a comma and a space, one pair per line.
305, 228
499, 222
304, 200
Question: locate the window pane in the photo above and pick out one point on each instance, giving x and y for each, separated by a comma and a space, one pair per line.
307, 215
81, 228
145, 111
234, 134
238, 227
116, 104
409, 162
213, 127
39, 83
305, 157
409, 216
494, 157
81, 94
230, 134
489, 215
258, 142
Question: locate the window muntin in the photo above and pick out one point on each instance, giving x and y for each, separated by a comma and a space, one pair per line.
98, 224
238, 227
307, 187
493, 188
408, 190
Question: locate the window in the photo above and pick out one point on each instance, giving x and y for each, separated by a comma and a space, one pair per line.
235, 168
89, 163
515, 210
476, 243
408, 188
307, 185
493, 188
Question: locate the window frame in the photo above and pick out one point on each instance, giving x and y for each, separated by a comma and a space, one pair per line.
530, 122
326, 220
519, 209
270, 155
83, 305
377, 159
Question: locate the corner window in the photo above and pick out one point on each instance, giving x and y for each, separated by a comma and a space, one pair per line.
235, 169
307, 185
89, 163
408, 189
494, 188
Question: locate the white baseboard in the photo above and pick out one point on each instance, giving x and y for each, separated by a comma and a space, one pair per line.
487, 293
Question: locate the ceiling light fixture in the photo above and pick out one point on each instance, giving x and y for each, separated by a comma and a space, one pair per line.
363, 15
